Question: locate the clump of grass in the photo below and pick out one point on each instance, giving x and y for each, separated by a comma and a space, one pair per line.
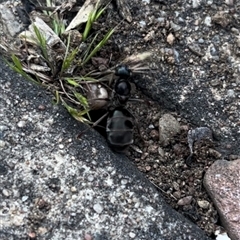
69, 89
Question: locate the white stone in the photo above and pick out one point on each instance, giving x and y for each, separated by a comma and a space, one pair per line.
2, 144
24, 198
208, 21
21, 124
61, 146
132, 235
5, 192
98, 208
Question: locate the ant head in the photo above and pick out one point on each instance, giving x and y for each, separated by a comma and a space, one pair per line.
123, 71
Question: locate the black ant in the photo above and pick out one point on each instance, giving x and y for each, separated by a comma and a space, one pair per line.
120, 122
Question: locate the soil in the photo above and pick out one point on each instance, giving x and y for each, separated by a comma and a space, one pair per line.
180, 182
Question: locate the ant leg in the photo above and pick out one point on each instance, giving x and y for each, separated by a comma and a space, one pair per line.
92, 126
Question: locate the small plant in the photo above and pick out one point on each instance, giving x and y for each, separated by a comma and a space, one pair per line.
61, 68
93, 17
57, 19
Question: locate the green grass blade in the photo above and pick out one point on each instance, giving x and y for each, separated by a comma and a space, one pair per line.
93, 17
99, 46
17, 67
57, 97
68, 58
78, 115
89, 47
48, 4
87, 28
81, 99
72, 82
17, 62
58, 26
99, 13
41, 42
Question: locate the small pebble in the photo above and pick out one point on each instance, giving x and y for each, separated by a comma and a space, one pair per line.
90, 178
161, 152
229, 2
153, 149
41, 107
149, 36
151, 126
87, 237
98, 208
148, 168
124, 181
5, 192
154, 134
142, 23
32, 235
231, 93
2, 144
175, 27
208, 21
195, 3
94, 150
24, 198
42, 230
73, 189
185, 201
177, 194
170, 38
61, 146
3, 128
21, 124
132, 235
203, 204
209, 2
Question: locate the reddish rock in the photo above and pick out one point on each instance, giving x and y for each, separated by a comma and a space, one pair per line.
222, 182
